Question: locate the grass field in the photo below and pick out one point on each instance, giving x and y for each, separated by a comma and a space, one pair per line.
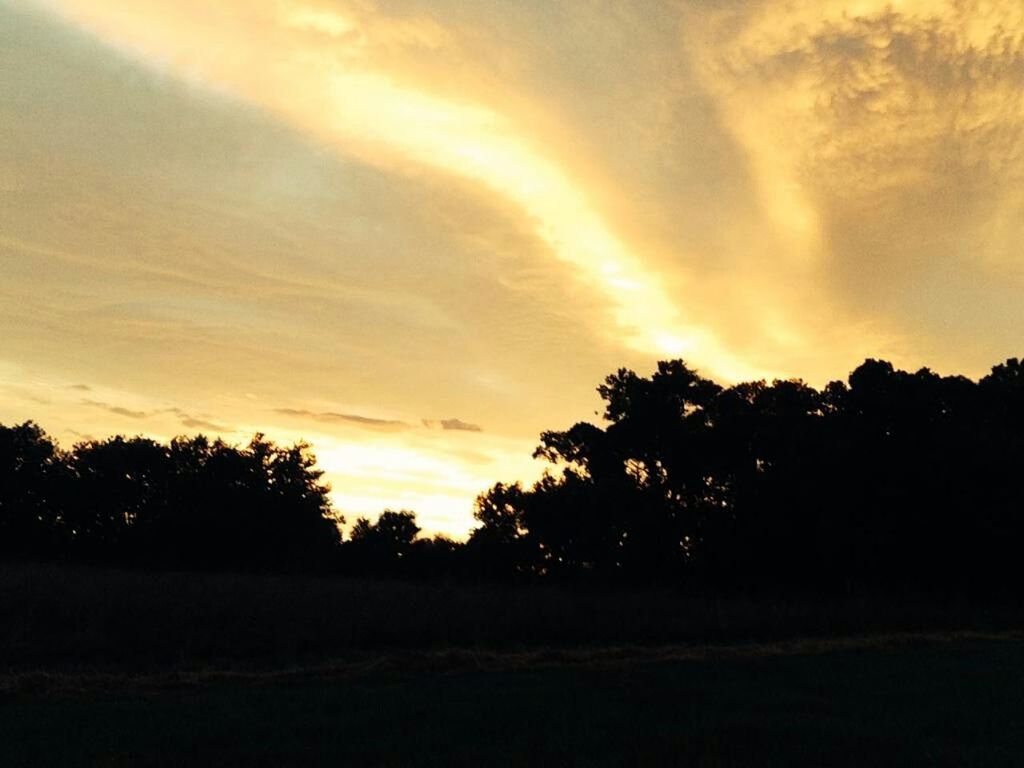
942, 702
112, 668
69, 617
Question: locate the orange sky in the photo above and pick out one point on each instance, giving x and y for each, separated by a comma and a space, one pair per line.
418, 233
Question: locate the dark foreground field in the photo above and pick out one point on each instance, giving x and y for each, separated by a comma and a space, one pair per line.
110, 668
953, 702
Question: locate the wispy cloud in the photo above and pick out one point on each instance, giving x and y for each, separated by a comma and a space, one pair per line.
342, 94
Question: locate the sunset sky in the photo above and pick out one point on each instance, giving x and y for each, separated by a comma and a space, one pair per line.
416, 233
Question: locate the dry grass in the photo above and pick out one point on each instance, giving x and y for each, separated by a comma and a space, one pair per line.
401, 664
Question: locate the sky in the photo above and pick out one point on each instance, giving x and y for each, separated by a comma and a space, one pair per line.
417, 233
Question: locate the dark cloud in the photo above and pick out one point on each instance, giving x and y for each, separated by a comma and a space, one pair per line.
457, 425
194, 423
186, 419
80, 435
80, 387
349, 418
460, 426
197, 422
117, 409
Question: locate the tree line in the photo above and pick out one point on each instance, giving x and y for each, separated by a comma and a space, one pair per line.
888, 480
193, 503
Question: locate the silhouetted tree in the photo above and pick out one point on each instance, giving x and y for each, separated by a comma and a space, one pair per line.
894, 479
190, 503
380, 547
33, 481
120, 482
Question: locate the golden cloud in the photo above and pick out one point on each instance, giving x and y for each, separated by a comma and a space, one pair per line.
868, 104
340, 94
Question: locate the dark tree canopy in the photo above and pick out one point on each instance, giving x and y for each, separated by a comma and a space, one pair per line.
192, 502
32, 480
390, 538
891, 479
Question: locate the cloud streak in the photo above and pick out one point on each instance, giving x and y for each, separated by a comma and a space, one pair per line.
118, 410
184, 418
458, 425
195, 422
390, 425
452, 425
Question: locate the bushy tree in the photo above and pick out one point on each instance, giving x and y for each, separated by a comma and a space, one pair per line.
890, 479
193, 502
33, 486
